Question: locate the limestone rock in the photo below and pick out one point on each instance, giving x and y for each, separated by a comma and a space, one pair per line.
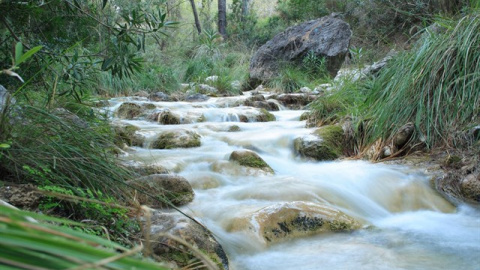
403, 135
159, 96
295, 101
125, 134
196, 97
129, 110
293, 219
176, 139
265, 116
249, 159
470, 188
326, 143
22, 196
258, 101
145, 170
165, 117
327, 37
169, 187
164, 224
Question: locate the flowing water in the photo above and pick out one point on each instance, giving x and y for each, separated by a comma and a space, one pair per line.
407, 225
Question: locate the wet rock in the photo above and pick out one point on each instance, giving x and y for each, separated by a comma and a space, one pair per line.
459, 188
327, 37
176, 139
145, 170
159, 96
196, 97
292, 220
225, 167
126, 134
403, 135
470, 188
22, 196
129, 110
265, 116
143, 94
258, 101
165, 118
165, 187
101, 103
250, 159
326, 143
164, 224
295, 101
234, 128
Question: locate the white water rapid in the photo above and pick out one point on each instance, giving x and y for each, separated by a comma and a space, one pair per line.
406, 224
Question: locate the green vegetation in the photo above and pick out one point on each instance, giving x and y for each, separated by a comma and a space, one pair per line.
435, 86
57, 57
33, 241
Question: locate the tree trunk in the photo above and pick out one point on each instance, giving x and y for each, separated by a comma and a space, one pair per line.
195, 15
245, 6
222, 18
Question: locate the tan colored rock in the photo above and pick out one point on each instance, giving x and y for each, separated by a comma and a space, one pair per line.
293, 219
177, 139
165, 187
164, 224
470, 188
129, 110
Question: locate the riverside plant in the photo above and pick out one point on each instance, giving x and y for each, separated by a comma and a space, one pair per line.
36, 241
435, 86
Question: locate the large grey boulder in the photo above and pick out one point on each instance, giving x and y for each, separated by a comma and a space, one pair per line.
327, 37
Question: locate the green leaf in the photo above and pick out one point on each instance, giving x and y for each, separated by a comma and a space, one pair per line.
107, 63
4, 146
104, 3
28, 54
18, 52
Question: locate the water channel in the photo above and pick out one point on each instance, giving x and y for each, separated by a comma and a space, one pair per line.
405, 223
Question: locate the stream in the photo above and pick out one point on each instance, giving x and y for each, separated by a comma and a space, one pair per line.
405, 223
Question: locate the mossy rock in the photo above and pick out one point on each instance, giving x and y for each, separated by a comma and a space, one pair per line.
326, 143
265, 116
251, 159
126, 135
234, 128
165, 187
168, 118
149, 106
292, 220
177, 139
129, 110
167, 249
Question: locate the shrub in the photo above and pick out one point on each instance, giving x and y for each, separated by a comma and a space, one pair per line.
435, 86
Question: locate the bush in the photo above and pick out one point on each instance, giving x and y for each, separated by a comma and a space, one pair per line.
435, 86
